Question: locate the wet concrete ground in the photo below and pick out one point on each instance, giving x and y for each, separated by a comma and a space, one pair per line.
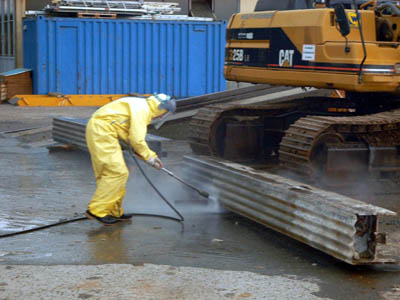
38, 187
150, 282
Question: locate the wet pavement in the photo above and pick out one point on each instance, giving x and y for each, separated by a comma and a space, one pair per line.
150, 282
208, 257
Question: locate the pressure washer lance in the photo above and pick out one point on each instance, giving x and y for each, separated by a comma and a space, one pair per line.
203, 193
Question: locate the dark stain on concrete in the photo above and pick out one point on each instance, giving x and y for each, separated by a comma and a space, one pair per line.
84, 296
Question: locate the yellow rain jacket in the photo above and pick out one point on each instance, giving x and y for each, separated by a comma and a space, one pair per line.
124, 119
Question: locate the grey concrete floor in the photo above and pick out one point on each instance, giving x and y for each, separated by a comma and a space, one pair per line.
215, 254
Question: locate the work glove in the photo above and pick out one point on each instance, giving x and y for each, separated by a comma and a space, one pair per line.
155, 163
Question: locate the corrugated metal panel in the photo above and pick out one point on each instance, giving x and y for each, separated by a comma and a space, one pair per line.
96, 56
71, 131
340, 226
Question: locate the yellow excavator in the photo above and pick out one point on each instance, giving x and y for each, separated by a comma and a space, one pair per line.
338, 45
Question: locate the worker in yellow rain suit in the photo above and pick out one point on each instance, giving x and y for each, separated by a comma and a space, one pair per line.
125, 119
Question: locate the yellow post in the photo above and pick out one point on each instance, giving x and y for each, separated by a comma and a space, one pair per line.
20, 7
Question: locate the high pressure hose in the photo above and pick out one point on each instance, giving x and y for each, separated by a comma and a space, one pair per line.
154, 187
61, 222
66, 221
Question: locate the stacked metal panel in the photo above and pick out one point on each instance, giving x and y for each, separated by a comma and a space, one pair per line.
71, 131
335, 224
122, 56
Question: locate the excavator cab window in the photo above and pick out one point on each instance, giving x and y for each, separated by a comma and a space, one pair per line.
265, 5
348, 4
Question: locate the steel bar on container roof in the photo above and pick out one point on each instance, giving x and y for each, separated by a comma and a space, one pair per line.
170, 17
324, 220
117, 6
99, 8
108, 2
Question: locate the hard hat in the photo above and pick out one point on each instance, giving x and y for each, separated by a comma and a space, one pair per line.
166, 102
162, 97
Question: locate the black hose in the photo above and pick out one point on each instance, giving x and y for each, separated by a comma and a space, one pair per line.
62, 222
154, 187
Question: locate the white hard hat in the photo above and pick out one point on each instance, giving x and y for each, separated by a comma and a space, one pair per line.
166, 102
162, 97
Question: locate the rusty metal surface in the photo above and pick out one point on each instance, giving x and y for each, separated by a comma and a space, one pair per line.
228, 96
252, 95
338, 225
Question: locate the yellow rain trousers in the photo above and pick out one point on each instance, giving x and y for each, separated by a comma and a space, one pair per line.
125, 119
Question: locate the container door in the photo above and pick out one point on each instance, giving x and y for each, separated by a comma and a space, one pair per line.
197, 81
67, 65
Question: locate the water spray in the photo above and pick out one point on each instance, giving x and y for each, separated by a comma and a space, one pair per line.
203, 193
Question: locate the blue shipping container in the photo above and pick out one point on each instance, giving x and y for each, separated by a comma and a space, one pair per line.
120, 56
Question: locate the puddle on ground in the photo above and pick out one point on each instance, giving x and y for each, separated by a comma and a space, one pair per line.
9, 253
20, 223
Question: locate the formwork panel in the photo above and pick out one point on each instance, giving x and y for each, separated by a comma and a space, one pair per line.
122, 56
340, 226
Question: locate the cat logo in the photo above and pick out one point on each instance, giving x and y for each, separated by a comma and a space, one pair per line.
353, 19
286, 58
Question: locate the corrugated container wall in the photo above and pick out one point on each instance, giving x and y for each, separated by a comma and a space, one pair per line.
120, 56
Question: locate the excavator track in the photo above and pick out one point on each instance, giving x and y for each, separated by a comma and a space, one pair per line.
299, 130
304, 138
205, 126
200, 128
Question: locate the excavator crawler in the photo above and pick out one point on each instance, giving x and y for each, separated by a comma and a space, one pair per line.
349, 46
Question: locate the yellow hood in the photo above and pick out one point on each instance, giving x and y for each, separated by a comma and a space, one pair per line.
153, 104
